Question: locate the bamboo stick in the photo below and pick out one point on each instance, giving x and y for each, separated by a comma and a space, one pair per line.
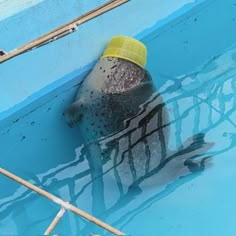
55, 221
63, 30
59, 201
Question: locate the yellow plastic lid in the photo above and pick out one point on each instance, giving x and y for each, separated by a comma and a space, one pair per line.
127, 48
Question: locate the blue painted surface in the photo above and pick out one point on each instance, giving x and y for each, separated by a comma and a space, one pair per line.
194, 58
9, 8
37, 76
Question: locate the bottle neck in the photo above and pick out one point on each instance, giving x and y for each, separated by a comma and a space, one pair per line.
122, 75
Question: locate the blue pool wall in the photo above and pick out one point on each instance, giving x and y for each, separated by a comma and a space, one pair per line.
25, 79
35, 131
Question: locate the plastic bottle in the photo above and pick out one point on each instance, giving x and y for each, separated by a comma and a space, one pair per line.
125, 123
113, 91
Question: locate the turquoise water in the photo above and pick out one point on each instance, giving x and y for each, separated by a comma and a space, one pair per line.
177, 198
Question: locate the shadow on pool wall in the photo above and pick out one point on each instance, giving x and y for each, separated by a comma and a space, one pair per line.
41, 146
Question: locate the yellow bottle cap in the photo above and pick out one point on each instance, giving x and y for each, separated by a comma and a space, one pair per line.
127, 48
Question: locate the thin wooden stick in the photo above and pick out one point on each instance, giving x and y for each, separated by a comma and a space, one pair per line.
55, 221
59, 201
63, 30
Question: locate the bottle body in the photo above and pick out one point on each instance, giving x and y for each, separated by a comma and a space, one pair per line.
125, 124
122, 117
110, 95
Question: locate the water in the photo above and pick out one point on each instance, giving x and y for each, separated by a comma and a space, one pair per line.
190, 194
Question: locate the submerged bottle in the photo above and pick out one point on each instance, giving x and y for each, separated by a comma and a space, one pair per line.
125, 125
114, 90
